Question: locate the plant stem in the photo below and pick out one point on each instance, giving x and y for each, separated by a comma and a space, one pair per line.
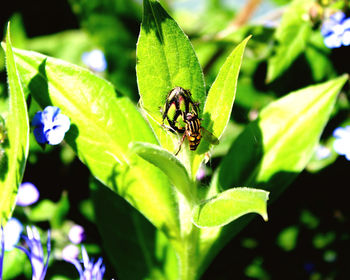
188, 257
188, 252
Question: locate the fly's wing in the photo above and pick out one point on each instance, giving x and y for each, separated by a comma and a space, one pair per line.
210, 137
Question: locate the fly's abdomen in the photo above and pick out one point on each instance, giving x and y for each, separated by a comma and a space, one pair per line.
193, 131
194, 141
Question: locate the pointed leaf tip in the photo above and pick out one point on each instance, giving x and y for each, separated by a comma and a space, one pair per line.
166, 162
229, 206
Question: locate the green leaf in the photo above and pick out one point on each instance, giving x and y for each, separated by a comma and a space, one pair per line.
229, 206
272, 150
102, 126
165, 59
14, 264
47, 210
168, 163
287, 238
317, 55
97, 115
292, 36
218, 106
15, 148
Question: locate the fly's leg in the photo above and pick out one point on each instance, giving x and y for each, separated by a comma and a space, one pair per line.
181, 142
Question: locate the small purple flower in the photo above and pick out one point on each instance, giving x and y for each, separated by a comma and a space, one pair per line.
95, 60
35, 252
91, 270
76, 234
342, 141
27, 194
200, 174
50, 126
336, 30
322, 152
70, 252
11, 234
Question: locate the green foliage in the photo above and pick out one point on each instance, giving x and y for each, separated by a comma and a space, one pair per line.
279, 143
292, 36
103, 125
49, 211
155, 218
165, 60
168, 163
14, 150
287, 239
229, 206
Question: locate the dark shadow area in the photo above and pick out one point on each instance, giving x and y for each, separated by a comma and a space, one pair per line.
295, 77
128, 238
40, 17
324, 197
341, 59
245, 153
235, 228
4, 158
71, 136
154, 14
38, 86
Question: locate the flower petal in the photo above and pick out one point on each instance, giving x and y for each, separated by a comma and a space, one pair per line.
85, 256
50, 112
337, 17
70, 252
95, 60
12, 233
76, 234
62, 121
37, 119
341, 132
332, 41
341, 147
55, 136
39, 135
27, 194
48, 116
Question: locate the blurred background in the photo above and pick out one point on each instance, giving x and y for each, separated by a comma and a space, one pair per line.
307, 235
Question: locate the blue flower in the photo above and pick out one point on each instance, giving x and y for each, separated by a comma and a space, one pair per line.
35, 252
91, 270
95, 60
342, 141
27, 194
11, 234
50, 126
336, 30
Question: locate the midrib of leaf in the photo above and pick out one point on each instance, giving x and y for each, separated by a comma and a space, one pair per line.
162, 43
85, 114
292, 125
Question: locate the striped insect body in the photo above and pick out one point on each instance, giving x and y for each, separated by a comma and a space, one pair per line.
181, 113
